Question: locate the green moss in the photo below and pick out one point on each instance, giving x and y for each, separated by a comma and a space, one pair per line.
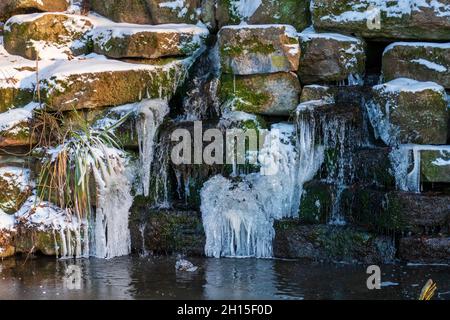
236, 92
316, 203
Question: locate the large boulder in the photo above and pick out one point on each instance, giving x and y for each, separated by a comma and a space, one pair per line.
408, 111
132, 11
330, 57
46, 35
92, 83
292, 12
9, 8
419, 61
397, 19
15, 126
133, 41
248, 49
271, 94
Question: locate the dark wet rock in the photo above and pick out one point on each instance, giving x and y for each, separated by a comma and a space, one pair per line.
396, 211
372, 167
425, 249
330, 243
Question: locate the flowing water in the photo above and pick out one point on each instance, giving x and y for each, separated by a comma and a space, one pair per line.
134, 278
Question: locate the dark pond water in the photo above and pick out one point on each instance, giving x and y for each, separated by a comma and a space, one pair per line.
156, 278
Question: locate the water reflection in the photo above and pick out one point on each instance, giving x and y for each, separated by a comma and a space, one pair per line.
156, 278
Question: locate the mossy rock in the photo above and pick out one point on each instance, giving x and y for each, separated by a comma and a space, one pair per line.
246, 50
292, 12
418, 61
25, 34
272, 94
407, 111
435, 165
127, 84
316, 203
398, 20
12, 97
166, 231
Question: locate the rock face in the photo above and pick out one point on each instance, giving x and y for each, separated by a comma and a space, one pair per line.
132, 11
292, 12
396, 19
329, 57
246, 50
435, 165
150, 42
408, 111
46, 35
9, 8
273, 94
425, 249
95, 83
419, 61
330, 243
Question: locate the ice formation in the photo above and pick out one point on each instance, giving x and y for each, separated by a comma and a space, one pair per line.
238, 215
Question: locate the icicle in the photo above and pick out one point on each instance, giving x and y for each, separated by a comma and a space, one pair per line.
151, 115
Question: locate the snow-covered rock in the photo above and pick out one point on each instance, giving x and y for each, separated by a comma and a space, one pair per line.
139, 41
292, 12
99, 82
254, 49
46, 35
132, 11
331, 57
423, 61
15, 126
271, 94
408, 111
396, 19
15, 186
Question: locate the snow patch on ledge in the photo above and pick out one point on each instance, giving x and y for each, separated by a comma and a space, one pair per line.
409, 85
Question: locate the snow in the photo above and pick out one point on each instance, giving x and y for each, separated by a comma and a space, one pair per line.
17, 176
104, 33
7, 221
288, 30
244, 9
309, 34
359, 10
408, 85
14, 117
417, 44
430, 65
